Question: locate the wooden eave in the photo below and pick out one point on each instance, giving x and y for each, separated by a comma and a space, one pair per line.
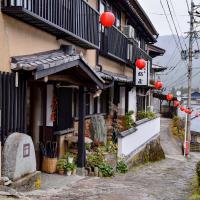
139, 19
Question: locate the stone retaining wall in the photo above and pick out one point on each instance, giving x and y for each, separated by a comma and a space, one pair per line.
150, 152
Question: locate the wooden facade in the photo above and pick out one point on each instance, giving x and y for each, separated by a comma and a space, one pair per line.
73, 81
12, 104
73, 20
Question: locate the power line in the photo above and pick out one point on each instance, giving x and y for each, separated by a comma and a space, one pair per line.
162, 14
169, 24
178, 47
174, 24
187, 6
178, 22
177, 80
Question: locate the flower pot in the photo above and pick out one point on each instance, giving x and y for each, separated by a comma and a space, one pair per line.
70, 159
69, 173
61, 171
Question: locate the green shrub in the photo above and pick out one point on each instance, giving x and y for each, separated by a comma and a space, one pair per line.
129, 123
61, 164
106, 170
69, 166
142, 115
122, 167
95, 160
198, 171
178, 127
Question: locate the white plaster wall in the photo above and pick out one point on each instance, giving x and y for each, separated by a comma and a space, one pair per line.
132, 100
49, 122
122, 101
145, 132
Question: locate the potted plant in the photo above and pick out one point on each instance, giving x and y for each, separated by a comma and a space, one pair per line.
69, 167
61, 166
70, 158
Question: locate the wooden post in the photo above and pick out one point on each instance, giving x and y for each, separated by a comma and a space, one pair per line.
81, 132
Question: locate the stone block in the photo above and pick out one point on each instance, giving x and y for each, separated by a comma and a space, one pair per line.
18, 156
28, 183
151, 152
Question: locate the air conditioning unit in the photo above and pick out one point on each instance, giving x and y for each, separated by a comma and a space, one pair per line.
129, 31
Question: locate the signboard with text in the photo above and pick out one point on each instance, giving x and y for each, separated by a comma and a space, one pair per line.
141, 76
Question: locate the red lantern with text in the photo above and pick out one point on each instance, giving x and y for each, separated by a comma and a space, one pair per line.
107, 19
169, 97
176, 104
182, 108
140, 63
158, 85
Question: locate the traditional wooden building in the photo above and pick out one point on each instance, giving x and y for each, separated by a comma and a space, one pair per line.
55, 57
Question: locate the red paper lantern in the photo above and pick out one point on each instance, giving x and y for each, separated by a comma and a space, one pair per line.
140, 63
176, 103
182, 108
169, 97
107, 19
158, 85
188, 111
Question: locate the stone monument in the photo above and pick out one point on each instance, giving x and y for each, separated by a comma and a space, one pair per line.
18, 156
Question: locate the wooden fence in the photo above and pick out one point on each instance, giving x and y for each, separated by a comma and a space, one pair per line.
12, 105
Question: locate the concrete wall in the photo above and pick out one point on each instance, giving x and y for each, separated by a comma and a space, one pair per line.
18, 38
115, 67
144, 133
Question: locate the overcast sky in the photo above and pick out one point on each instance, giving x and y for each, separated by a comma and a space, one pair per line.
153, 9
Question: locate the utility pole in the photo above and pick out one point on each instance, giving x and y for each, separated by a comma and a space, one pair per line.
191, 37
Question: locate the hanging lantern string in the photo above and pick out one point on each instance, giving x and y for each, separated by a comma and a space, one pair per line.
190, 111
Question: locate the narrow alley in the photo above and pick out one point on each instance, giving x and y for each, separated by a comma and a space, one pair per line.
169, 179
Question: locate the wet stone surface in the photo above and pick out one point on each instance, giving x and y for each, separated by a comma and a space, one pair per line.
169, 179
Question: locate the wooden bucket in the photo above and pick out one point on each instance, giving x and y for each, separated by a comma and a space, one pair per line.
49, 165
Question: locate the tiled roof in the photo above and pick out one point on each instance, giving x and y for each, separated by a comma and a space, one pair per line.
107, 75
50, 59
52, 62
42, 61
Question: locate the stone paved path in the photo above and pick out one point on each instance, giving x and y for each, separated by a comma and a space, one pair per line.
169, 179
166, 180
